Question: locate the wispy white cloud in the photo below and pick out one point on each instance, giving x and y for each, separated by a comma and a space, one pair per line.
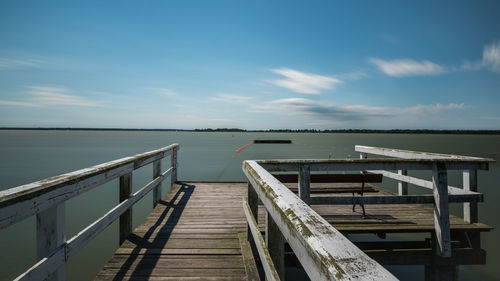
231, 98
345, 113
15, 63
16, 103
304, 83
165, 91
58, 96
407, 67
491, 56
50, 96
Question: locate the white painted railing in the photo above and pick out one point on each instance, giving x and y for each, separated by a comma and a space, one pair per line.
293, 218
324, 252
46, 199
469, 175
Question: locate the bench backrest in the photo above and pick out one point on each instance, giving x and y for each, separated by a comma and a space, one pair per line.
325, 178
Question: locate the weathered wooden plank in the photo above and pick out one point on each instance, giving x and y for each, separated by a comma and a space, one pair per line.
441, 211
324, 252
102, 277
265, 257
171, 261
179, 272
292, 165
179, 243
331, 178
44, 267
422, 182
23, 201
406, 199
413, 154
248, 259
162, 251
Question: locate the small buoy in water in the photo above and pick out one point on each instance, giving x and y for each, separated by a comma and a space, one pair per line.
243, 147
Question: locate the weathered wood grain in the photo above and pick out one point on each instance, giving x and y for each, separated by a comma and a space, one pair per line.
324, 253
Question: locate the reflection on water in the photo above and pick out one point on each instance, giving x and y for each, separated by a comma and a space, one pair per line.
28, 156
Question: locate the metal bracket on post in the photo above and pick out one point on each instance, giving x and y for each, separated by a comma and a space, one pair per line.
51, 234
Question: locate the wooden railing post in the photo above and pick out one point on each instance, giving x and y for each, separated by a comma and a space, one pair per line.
470, 184
156, 190
276, 245
402, 186
363, 155
173, 177
253, 203
126, 217
304, 183
50, 234
441, 210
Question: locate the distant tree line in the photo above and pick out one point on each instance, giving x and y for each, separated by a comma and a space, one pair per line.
346, 131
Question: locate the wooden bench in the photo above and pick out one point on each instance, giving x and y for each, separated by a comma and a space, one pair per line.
338, 183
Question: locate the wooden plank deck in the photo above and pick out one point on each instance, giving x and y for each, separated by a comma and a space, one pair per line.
198, 232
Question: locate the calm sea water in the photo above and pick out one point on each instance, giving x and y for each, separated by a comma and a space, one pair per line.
28, 156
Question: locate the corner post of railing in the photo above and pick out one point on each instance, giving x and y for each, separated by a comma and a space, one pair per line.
304, 183
441, 210
470, 184
173, 176
276, 245
126, 217
402, 185
157, 189
51, 234
363, 155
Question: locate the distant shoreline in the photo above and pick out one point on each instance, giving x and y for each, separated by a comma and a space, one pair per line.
236, 130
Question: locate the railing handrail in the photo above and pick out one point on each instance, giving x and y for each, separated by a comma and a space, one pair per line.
289, 165
409, 154
55, 186
324, 252
46, 199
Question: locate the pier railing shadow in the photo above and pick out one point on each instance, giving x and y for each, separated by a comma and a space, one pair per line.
164, 230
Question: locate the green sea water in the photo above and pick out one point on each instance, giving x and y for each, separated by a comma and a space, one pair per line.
28, 156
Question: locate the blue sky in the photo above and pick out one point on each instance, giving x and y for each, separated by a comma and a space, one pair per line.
250, 64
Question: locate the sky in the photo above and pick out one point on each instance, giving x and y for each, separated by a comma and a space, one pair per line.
250, 64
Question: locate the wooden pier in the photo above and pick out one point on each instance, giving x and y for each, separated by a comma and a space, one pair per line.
245, 231
198, 230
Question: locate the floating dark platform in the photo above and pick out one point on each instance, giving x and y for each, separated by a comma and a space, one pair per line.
272, 141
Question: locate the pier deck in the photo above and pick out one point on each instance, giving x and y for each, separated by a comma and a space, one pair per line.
198, 231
